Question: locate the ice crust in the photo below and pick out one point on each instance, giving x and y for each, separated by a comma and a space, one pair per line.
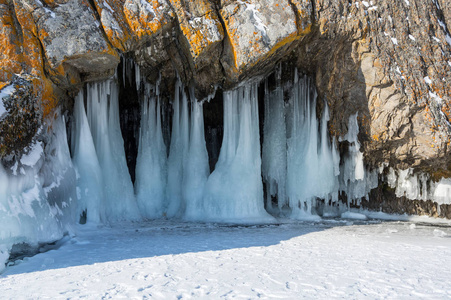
37, 204
419, 186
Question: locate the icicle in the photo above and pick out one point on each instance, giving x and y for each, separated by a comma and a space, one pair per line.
89, 179
274, 153
234, 192
103, 113
196, 170
299, 162
151, 165
178, 151
137, 77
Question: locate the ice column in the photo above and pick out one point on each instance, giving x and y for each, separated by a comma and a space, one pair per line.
274, 154
196, 169
300, 164
234, 191
89, 180
178, 152
103, 117
311, 166
151, 165
355, 181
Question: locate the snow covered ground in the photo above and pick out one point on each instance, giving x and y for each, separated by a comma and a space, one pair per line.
175, 260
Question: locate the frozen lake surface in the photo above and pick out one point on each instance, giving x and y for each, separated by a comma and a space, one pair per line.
174, 260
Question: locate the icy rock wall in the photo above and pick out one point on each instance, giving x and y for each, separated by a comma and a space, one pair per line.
37, 194
300, 162
419, 186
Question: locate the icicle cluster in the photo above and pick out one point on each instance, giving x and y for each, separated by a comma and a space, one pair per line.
300, 163
234, 190
104, 183
419, 186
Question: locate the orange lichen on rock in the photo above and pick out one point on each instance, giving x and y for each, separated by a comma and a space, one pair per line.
147, 17
258, 29
200, 26
10, 46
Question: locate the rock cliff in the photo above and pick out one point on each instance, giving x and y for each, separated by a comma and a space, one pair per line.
388, 61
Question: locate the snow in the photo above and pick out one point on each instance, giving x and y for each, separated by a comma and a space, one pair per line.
411, 37
166, 260
33, 155
435, 97
353, 215
107, 6
427, 80
6, 91
395, 41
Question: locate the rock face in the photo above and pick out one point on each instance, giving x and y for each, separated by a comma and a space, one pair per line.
388, 61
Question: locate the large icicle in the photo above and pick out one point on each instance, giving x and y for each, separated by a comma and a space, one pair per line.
355, 181
299, 162
178, 152
234, 191
151, 165
196, 169
310, 164
103, 116
89, 180
274, 153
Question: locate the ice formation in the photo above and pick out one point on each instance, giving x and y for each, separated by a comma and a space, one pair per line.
4, 93
274, 154
46, 190
37, 194
234, 191
355, 180
90, 193
196, 169
419, 186
151, 164
178, 152
103, 119
300, 162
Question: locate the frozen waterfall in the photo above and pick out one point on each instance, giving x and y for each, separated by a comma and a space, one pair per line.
234, 191
119, 201
151, 165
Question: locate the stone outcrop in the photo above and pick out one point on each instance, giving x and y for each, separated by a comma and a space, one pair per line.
258, 30
388, 61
